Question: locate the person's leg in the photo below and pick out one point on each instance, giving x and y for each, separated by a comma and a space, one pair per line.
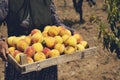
93, 2
75, 5
80, 4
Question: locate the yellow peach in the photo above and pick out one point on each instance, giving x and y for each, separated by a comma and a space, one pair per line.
53, 31
39, 56
54, 53
17, 57
29, 60
34, 31
69, 50
71, 41
22, 45
58, 39
50, 42
37, 37
10, 39
60, 47
38, 47
79, 47
78, 37
47, 28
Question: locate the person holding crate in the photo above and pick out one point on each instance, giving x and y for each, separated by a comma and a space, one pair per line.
21, 17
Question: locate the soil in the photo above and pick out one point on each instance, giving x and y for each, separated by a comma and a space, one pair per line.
102, 66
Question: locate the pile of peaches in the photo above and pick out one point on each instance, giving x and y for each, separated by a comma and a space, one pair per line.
52, 42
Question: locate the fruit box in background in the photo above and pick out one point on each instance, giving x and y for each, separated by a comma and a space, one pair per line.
37, 66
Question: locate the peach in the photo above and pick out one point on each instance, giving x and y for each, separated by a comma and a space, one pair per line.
45, 33
15, 41
63, 31
71, 41
15, 53
54, 53
29, 60
46, 51
22, 45
58, 39
28, 39
78, 37
30, 51
10, 39
65, 37
38, 47
35, 31
22, 36
53, 31
17, 57
50, 42
11, 50
79, 47
69, 50
84, 43
39, 56
37, 37
60, 47
47, 28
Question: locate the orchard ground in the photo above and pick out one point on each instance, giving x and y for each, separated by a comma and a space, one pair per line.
102, 66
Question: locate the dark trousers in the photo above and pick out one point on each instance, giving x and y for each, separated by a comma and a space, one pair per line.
91, 1
49, 73
78, 7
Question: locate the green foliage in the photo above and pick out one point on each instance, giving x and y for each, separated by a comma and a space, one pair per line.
111, 33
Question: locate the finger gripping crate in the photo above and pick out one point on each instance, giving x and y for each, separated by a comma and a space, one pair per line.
37, 66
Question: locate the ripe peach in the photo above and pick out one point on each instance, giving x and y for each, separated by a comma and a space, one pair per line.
46, 51
28, 39
60, 47
10, 39
58, 39
54, 53
50, 42
30, 51
45, 33
22, 45
63, 31
37, 37
22, 36
71, 41
84, 43
39, 56
47, 28
65, 37
53, 31
35, 31
15, 41
38, 47
78, 37
11, 50
15, 53
29, 60
17, 57
79, 47
69, 50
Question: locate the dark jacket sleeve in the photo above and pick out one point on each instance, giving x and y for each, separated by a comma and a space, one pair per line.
3, 10
55, 17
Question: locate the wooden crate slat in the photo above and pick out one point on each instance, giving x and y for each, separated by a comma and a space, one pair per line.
36, 66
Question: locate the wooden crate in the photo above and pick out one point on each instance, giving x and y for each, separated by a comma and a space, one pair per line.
36, 66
